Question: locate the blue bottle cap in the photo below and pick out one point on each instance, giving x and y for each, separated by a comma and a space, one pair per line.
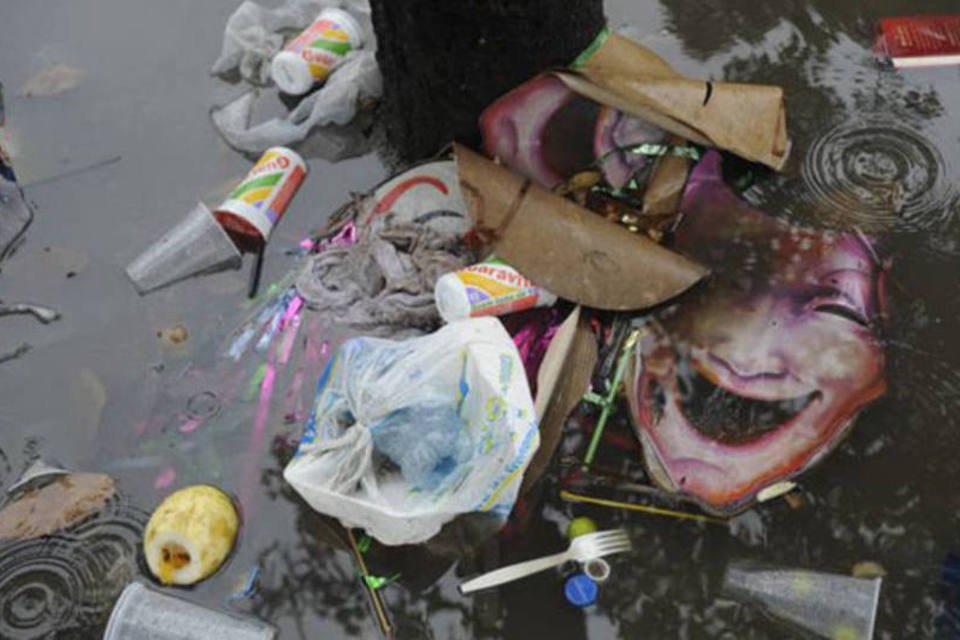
580, 590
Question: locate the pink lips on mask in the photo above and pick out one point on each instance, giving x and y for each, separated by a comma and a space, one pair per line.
756, 377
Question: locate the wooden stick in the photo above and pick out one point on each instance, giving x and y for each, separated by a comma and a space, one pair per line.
255, 274
379, 608
73, 172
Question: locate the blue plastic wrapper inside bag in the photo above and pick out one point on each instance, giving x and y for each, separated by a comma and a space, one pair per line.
429, 452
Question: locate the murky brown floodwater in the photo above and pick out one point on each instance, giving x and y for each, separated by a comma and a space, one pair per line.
865, 138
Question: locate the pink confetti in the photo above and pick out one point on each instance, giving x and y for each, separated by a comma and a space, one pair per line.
165, 478
286, 347
346, 237
259, 431
191, 425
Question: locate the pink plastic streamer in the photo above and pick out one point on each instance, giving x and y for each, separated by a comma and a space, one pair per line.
191, 425
165, 478
292, 310
346, 237
260, 423
289, 335
293, 400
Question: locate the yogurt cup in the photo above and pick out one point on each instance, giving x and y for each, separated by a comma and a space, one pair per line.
313, 55
257, 204
491, 288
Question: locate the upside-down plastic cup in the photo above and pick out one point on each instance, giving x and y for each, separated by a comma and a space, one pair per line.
831, 606
142, 613
197, 244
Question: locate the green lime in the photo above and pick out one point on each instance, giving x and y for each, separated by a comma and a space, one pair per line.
580, 526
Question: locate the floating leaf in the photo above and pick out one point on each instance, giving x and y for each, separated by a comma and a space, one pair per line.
52, 81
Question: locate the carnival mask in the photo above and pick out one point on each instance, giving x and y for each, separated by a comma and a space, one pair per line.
757, 375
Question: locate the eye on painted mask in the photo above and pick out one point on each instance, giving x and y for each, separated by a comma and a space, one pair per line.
756, 376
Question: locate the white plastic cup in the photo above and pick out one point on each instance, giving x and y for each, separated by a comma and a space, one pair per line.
828, 605
197, 244
143, 613
490, 288
313, 55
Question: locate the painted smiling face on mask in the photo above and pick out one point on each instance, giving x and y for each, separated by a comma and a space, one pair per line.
758, 375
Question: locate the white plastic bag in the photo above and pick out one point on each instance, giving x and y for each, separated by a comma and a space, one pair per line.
473, 365
336, 103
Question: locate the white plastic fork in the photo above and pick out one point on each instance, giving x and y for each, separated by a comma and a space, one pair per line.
583, 548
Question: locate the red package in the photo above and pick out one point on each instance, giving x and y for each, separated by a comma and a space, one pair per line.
920, 41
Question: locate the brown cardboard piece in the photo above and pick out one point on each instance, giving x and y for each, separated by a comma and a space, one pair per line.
66, 501
664, 189
566, 249
562, 381
747, 119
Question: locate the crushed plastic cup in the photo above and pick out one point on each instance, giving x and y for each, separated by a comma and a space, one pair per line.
143, 613
38, 472
831, 606
196, 245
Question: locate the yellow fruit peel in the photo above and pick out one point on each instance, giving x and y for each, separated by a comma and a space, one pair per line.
190, 535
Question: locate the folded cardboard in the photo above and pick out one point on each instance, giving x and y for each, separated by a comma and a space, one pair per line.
565, 248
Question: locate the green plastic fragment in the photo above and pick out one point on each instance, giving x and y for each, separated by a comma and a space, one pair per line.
592, 48
607, 402
653, 150
363, 544
377, 582
253, 390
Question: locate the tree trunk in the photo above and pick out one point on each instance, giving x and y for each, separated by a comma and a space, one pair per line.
443, 61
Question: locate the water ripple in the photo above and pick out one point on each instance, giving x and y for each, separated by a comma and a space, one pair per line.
69, 582
880, 175
41, 587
